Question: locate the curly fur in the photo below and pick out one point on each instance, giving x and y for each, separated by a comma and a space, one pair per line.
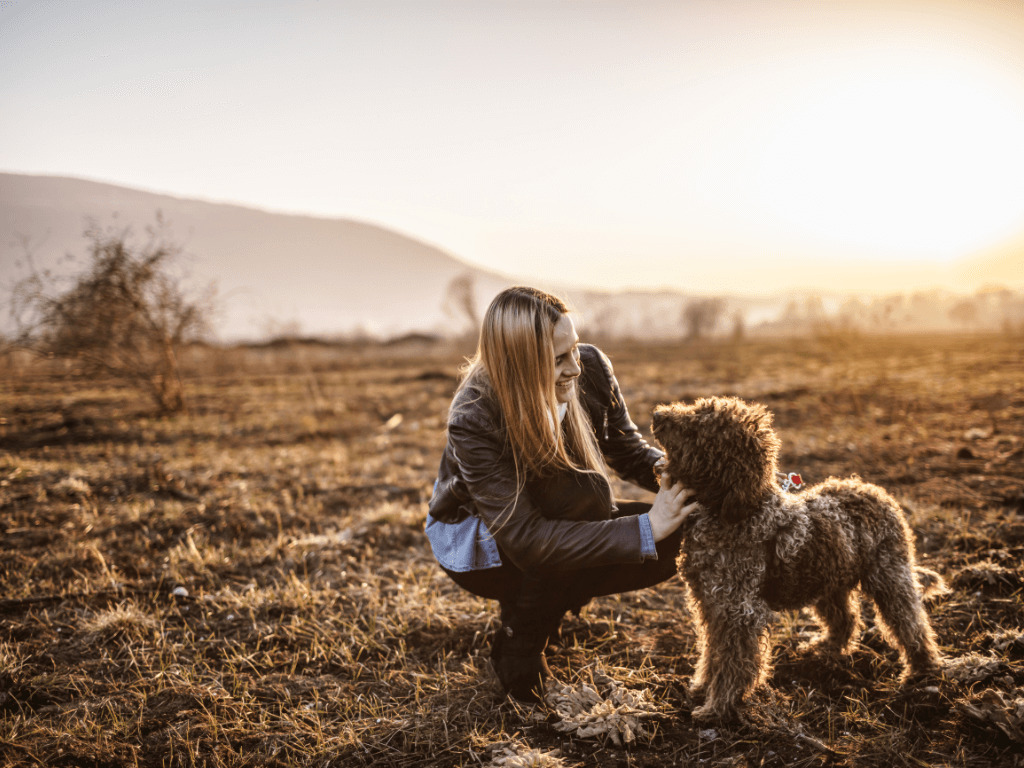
751, 549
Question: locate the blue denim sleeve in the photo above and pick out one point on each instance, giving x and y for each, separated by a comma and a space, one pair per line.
647, 548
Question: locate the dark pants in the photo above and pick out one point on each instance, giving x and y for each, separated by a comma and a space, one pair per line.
536, 602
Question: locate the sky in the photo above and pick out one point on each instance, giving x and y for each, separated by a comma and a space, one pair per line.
705, 146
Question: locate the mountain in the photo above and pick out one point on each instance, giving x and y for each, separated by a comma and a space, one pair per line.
278, 273
273, 271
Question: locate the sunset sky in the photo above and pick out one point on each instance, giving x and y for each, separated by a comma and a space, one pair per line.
698, 145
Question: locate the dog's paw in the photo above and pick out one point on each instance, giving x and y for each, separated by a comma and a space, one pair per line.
823, 648
709, 713
704, 714
697, 691
922, 678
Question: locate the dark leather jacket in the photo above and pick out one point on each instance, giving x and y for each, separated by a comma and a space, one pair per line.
564, 521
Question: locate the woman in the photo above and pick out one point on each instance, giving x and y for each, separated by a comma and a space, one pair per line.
522, 510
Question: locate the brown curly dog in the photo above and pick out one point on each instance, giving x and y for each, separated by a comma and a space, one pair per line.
750, 549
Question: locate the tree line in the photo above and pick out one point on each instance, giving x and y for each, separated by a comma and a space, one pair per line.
127, 312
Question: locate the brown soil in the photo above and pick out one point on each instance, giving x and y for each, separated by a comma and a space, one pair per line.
248, 583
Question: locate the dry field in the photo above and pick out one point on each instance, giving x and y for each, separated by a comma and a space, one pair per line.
248, 583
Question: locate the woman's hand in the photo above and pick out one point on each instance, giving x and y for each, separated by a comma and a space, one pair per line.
669, 508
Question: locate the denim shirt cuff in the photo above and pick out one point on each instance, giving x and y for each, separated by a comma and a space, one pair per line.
648, 551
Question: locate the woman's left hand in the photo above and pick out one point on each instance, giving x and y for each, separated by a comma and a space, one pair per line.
670, 508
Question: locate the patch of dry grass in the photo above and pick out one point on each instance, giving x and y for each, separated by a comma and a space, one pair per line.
248, 583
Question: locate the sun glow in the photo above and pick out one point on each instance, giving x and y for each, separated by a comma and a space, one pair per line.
922, 162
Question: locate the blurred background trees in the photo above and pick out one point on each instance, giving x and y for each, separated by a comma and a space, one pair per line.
701, 316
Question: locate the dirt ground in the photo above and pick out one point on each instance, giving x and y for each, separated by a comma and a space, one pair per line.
248, 583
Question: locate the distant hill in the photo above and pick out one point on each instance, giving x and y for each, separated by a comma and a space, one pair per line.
318, 276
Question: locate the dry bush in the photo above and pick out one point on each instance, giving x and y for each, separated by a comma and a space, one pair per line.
125, 315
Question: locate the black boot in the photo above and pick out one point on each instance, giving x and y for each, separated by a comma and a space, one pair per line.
517, 658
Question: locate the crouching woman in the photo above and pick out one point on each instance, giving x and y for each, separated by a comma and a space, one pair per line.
522, 510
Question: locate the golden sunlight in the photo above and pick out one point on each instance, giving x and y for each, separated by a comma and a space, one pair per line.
915, 159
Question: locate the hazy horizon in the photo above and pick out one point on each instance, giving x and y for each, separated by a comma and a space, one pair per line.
701, 147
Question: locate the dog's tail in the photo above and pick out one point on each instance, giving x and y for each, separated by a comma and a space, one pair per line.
929, 583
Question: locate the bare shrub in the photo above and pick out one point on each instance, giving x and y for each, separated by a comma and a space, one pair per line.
459, 302
126, 315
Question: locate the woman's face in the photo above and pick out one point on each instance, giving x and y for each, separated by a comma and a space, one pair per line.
567, 358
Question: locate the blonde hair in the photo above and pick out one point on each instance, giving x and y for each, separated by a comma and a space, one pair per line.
515, 365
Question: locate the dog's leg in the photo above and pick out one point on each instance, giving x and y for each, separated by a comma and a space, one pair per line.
737, 662
894, 591
698, 685
839, 614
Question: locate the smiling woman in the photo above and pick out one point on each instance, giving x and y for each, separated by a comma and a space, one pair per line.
522, 510
920, 159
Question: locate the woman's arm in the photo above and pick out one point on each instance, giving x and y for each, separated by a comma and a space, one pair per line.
530, 540
624, 448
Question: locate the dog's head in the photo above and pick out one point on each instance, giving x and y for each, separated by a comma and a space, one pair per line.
722, 448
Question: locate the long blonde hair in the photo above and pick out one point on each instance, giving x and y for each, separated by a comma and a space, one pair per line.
515, 365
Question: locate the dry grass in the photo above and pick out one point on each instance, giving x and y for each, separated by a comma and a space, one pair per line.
248, 583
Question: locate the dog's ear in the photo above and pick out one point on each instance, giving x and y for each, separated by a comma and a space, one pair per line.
738, 502
751, 453
765, 458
